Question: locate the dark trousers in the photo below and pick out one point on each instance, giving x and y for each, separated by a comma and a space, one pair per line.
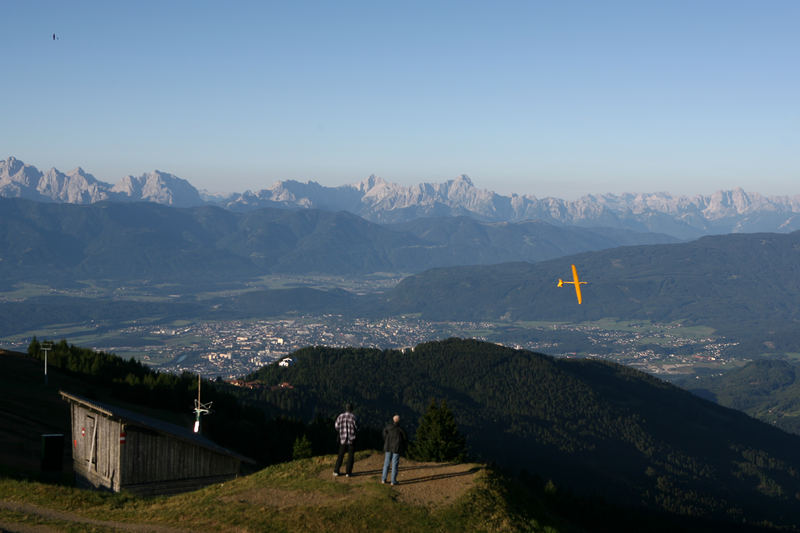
351, 451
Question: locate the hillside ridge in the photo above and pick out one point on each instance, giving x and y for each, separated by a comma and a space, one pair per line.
595, 427
582, 408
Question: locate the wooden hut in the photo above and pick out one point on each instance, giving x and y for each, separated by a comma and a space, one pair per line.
116, 449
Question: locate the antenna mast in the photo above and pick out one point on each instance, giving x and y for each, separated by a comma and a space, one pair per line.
200, 408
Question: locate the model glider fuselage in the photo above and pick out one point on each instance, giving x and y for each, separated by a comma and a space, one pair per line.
575, 281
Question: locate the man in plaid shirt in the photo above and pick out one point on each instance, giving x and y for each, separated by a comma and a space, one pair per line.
347, 426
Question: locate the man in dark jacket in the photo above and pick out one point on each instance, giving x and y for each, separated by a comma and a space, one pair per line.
394, 445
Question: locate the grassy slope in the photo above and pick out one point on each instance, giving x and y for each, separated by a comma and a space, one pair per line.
286, 497
300, 496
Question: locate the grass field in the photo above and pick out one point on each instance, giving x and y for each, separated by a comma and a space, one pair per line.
296, 496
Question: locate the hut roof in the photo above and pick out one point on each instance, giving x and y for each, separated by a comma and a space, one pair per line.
153, 424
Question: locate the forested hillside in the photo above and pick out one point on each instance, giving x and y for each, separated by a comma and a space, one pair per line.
593, 430
745, 285
767, 389
596, 427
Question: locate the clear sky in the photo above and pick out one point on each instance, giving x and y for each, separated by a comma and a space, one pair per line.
557, 98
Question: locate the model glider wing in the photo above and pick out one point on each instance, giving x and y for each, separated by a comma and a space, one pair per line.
575, 281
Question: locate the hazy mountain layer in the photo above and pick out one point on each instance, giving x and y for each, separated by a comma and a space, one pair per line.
683, 217
52, 243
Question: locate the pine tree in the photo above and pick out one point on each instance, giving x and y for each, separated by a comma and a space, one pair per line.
301, 448
34, 347
438, 438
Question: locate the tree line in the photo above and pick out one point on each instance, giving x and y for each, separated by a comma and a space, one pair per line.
251, 428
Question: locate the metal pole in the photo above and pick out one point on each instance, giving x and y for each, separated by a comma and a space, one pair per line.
45, 348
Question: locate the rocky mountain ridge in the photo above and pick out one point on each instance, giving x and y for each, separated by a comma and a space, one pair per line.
20, 180
683, 217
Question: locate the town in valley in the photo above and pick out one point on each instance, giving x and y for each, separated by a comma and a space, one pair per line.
234, 348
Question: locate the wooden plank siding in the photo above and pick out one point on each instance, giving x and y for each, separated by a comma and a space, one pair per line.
151, 456
155, 458
95, 458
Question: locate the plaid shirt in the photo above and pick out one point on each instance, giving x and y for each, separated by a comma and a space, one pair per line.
346, 426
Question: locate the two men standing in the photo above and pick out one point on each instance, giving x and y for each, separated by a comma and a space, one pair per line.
395, 443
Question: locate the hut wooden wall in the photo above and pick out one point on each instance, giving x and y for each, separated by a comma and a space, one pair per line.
152, 461
95, 454
149, 461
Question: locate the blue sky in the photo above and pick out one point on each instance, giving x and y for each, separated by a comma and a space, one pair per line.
545, 98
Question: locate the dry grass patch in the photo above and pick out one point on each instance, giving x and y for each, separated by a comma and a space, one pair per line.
431, 485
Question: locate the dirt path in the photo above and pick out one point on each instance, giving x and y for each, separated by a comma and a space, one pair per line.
51, 514
427, 484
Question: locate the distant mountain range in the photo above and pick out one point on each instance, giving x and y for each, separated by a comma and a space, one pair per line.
374, 199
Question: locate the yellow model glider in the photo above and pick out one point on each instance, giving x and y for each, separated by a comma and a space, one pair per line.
575, 281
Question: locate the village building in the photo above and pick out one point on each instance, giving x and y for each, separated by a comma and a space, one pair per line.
117, 449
